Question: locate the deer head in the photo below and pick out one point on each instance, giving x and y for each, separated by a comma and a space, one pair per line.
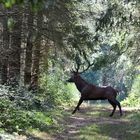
73, 77
75, 73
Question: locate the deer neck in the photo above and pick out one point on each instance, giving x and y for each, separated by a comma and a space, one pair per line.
80, 83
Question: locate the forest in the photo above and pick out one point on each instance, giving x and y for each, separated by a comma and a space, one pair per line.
42, 42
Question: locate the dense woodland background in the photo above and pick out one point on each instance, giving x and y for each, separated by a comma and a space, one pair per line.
42, 40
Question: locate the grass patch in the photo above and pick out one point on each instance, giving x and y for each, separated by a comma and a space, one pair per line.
125, 128
93, 123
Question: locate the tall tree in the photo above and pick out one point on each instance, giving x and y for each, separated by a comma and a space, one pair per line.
23, 49
36, 52
4, 47
28, 60
15, 23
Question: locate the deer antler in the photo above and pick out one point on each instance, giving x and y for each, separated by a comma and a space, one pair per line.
88, 62
79, 63
78, 67
89, 65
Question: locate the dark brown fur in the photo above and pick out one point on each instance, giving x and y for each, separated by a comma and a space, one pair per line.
91, 92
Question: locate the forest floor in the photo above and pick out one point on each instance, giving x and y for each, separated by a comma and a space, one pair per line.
91, 123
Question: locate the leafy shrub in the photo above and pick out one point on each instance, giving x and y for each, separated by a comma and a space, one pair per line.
133, 98
21, 112
16, 120
21, 109
56, 90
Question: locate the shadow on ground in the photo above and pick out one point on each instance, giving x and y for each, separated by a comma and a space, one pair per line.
92, 123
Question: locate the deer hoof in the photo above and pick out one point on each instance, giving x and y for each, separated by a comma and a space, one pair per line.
110, 115
73, 112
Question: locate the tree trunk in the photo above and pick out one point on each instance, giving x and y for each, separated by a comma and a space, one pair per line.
4, 48
28, 60
14, 48
36, 53
24, 35
45, 48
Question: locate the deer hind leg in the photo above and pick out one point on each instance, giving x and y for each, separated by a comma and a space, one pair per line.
77, 107
118, 104
114, 108
119, 108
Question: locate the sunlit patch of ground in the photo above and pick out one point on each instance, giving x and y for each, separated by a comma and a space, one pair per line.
41, 135
93, 123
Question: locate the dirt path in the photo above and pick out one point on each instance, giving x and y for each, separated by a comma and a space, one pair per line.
91, 123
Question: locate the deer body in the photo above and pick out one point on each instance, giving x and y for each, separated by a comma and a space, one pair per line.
91, 92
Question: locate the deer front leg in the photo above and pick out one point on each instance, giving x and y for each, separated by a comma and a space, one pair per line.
77, 107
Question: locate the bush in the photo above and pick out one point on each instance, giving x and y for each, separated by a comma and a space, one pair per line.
13, 119
56, 90
133, 98
21, 112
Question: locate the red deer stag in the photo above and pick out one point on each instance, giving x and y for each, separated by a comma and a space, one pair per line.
91, 92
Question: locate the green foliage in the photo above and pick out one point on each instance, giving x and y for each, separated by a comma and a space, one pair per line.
14, 119
55, 89
133, 98
10, 23
35, 4
10, 3
19, 113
